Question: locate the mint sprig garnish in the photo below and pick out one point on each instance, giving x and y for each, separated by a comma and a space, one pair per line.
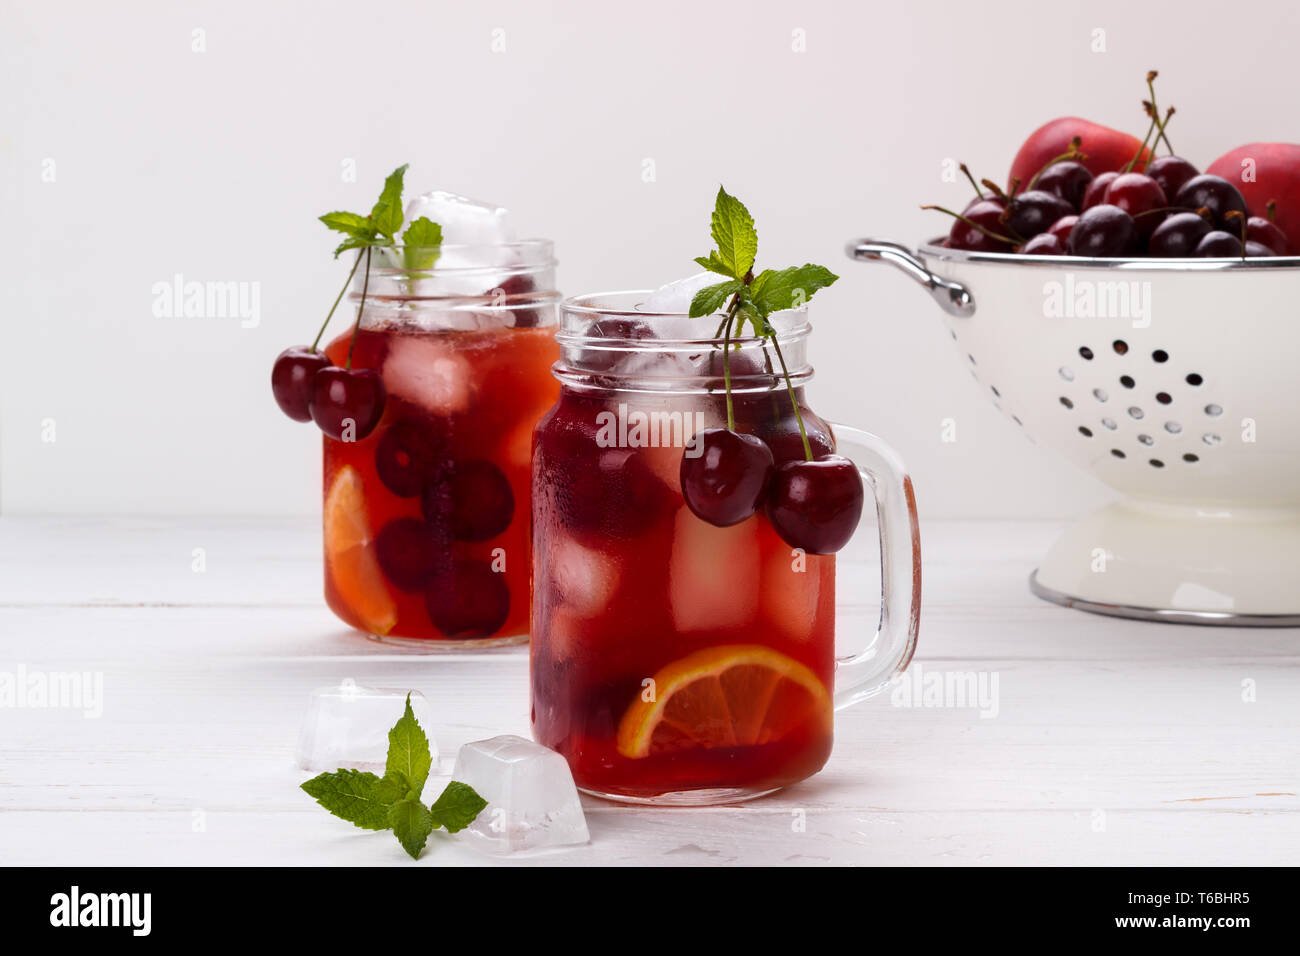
381, 227
393, 801
753, 298
421, 243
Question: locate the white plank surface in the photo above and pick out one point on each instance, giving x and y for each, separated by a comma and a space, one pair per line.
1114, 742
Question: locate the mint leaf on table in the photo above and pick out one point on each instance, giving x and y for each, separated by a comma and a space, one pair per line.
387, 213
420, 244
361, 798
709, 299
408, 750
774, 290
733, 231
457, 807
412, 823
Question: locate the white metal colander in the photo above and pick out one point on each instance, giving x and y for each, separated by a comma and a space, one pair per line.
1174, 381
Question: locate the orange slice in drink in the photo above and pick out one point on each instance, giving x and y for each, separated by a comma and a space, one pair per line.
350, 557
733, 695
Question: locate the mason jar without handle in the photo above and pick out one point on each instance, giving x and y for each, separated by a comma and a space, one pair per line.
673, 661
426, 520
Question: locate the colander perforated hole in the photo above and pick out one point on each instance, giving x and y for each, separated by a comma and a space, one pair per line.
1190, 458
1214, 411
1109, 423
1127, 381
1135, 413
1164, 398
971, 357
1160, 355
1066, 402
1194, 379
1100, 394
1211, 439
1085, 431
1085, 352
1016, 419
1146, 439
994, 390
1173, 428
1157, 463
954, 334
1120, 346
1117, 453
1066, 374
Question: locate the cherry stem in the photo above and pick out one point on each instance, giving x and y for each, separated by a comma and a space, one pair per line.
361, 309
1071, 153
1235, 214
1155, 114
995, 189
1128, 167
337, 301
1165, 136
963, 168
973, 225
1271, 209
803, 433
727, 323
1149, 212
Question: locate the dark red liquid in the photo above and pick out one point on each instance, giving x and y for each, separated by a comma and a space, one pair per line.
630, 586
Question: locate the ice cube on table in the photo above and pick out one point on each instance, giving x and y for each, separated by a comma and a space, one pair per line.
532, 801
676, 296
347, 726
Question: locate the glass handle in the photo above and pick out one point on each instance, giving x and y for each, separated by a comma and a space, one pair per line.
862, 675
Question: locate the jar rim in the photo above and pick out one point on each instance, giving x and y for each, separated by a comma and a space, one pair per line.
522, 255
579, 312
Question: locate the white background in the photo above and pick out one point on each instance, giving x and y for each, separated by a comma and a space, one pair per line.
215, 164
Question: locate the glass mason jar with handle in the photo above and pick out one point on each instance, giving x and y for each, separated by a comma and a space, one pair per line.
674, 661
426, 517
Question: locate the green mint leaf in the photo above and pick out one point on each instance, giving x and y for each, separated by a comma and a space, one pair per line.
709, 299
734, 233
349, 223
420, 244
347, 244
412, 823
712, 263
387, 215
457, 807
356, 796
774, 290
408, 750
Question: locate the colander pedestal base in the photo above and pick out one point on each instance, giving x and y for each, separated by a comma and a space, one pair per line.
1181, 564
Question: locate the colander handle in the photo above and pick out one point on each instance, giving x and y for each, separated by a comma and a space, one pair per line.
866, 673
953, 297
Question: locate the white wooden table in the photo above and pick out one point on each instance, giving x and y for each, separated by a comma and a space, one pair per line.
1114, 742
